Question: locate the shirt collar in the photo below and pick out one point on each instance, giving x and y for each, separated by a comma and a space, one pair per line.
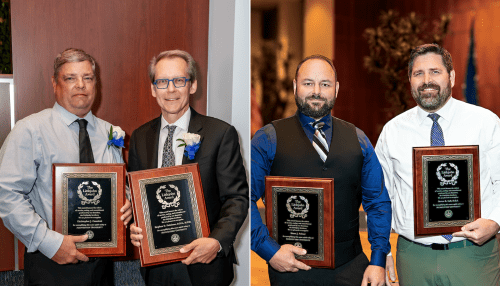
307, 121
445, 112
68, 118
182, 122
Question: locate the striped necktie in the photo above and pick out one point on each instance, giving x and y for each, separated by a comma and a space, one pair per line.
319, 140
437, 139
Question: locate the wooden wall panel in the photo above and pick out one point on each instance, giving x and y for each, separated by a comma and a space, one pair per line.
122, 35
6, 249
361, 97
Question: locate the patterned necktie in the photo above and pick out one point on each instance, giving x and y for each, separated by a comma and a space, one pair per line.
437, 139
86, 155
168, 154
319, 140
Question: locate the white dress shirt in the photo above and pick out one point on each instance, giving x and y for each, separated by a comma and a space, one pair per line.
182, 127
462, 124
26, 158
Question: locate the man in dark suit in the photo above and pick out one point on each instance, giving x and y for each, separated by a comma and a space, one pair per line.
223, 176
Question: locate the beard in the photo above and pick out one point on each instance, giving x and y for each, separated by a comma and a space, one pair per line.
430, 102
314, 111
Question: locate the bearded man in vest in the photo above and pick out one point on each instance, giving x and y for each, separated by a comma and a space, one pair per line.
289, 147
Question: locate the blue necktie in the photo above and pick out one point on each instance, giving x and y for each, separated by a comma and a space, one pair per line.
437, 139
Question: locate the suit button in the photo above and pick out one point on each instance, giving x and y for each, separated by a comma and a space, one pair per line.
325, 168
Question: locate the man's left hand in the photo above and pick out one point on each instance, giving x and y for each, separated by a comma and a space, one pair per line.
204, 250
375, 275
479, 231
126, 211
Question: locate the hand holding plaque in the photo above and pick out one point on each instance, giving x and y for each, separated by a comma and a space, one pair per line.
446, 192
169, 207
87, 199
299, 212
284, 259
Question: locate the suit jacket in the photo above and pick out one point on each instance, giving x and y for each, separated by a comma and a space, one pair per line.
223, 175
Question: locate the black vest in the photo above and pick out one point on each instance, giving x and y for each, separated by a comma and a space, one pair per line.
296, 157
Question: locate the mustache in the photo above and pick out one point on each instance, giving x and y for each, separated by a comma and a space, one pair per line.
316, 97
429, 85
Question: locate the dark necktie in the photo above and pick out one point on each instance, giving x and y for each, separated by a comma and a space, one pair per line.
168, 154
319, 140
437, 139
86, 155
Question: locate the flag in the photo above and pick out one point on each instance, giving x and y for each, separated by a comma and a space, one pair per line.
470, 84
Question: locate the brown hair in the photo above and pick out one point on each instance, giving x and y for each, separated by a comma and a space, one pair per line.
430, 48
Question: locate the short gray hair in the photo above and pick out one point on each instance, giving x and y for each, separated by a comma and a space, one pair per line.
191, 63
72, 55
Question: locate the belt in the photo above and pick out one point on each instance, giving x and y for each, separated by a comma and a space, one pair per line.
439, 246
91, 259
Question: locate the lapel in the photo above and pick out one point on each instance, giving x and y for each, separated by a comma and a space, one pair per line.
195, 126
152, 139
329, 157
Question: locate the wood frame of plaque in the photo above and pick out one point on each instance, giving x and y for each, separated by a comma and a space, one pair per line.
89, 182
304, 191
164, 189
434, 210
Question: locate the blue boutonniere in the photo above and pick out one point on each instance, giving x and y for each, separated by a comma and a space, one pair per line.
116, 137
191, 142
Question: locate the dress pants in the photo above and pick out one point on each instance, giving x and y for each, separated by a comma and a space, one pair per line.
471, 265
348, 274
40, 270
219, 272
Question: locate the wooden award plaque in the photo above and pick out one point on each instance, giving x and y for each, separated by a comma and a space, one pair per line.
446, 193
169, 207
299, 211
87, 199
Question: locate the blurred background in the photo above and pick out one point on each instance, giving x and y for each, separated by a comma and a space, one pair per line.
369, 43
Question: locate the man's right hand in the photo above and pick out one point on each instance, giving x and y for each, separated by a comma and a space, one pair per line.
284, 260
68, 253
389, 267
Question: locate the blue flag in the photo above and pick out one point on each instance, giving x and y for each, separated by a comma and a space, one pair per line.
470, 84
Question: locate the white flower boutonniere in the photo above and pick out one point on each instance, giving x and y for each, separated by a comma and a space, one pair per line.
115, 137
191, 142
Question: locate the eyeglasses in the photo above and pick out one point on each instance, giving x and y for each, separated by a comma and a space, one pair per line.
177, 81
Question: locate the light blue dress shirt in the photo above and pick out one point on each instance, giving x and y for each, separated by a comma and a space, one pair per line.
26, 158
